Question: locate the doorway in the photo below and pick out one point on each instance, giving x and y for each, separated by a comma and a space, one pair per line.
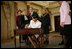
57, 23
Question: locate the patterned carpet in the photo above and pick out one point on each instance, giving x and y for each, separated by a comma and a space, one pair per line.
54, 40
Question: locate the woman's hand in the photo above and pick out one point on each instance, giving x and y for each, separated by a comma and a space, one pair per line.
62, 24
16, 27
26, 26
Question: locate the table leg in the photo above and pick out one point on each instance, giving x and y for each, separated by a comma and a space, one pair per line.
20, 40
41, 41
32, 42
15, 38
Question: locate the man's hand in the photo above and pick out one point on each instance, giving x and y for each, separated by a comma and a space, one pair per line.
16, 27
69, 13
62, 24
26, 26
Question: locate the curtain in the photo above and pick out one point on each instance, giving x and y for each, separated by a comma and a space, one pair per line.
8, 12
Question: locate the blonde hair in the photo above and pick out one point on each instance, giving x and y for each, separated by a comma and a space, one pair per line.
45, 10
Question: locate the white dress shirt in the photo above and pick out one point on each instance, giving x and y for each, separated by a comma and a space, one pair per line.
64, 13
36, 24
25, 17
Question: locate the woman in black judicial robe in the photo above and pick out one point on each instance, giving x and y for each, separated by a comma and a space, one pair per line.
45, 23
45, 20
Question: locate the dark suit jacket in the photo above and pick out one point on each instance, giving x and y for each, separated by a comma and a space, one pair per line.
18, 21
34, 13
23, 21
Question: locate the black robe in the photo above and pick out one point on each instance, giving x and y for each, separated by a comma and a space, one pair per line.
45, 20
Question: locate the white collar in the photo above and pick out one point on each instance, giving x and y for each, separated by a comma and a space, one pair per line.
35, 22
32, 13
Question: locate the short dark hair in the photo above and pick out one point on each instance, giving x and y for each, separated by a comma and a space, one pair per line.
35, 16
19, 11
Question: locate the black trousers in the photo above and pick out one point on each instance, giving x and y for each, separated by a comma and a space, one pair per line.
62, 33
25, 36
68, 42
67, 34
66, 31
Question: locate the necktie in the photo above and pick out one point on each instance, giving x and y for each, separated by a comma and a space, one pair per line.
30, 15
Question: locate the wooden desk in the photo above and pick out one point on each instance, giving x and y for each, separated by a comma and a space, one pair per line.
25, 31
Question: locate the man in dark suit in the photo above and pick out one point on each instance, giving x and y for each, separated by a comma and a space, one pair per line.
24, 21
32, 13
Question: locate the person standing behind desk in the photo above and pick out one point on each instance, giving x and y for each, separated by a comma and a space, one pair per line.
18, 20
65, 23
32, 13
45, 20
24, 21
